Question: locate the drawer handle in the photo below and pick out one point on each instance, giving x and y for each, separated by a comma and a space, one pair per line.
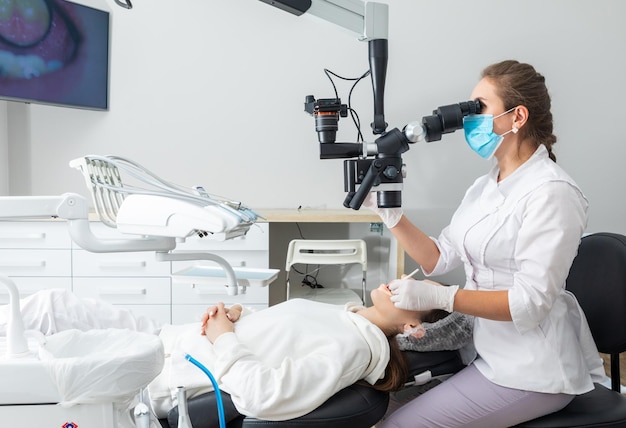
122, 291
23, 236
23, 264
209, 290
117, 265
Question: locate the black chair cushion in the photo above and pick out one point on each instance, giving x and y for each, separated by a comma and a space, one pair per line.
601, 407
203, 411
438, 362
354, 406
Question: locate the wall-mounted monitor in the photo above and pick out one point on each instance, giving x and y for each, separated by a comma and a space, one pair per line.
54, 52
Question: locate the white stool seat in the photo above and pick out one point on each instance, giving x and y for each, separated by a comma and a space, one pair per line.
334, 296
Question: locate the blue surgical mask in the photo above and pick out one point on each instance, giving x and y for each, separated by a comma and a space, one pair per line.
479, 133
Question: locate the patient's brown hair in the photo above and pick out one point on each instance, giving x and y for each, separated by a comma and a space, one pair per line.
397, 370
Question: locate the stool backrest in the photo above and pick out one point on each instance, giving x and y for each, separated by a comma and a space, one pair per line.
326, 252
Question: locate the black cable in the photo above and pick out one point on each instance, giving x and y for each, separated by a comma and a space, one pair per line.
353, 114
309, 278
311, 281
300, 231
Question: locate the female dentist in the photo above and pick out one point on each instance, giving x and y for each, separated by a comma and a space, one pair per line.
516, 232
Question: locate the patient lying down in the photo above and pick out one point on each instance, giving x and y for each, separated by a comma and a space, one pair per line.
277, 363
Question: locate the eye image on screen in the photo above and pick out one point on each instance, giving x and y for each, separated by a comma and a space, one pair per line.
54, 52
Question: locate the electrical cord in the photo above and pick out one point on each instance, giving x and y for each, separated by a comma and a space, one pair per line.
353, 113
311, 281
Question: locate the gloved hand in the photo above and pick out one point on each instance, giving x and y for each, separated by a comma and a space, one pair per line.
412, 295
389, 216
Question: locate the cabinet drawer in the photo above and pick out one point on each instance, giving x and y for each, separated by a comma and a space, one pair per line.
189, 293
118, 264
160, 313
120, 290
257, 238
20, 262
29, 285
184, 314
34, 234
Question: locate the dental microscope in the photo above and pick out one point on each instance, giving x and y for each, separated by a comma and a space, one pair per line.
376, 166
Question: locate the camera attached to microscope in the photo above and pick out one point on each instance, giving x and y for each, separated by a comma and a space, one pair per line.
379, 165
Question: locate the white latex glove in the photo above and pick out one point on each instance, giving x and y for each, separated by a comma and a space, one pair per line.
412, 295
389, 216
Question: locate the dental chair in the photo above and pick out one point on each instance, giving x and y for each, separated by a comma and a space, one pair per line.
598, 280
356, 406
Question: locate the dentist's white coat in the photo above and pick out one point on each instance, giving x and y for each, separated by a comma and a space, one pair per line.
521, 235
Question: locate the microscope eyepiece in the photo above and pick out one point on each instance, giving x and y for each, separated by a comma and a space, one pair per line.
447, 119
470, 107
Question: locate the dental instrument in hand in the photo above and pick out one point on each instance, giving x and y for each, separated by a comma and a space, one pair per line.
411, 275
412, 331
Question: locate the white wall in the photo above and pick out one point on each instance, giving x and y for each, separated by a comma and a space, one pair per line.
211, 92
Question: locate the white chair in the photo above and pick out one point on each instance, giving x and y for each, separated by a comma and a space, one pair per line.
327, 252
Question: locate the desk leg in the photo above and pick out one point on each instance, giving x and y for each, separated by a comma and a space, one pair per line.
396, 258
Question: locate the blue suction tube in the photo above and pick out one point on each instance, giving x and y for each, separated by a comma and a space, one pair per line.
218, 393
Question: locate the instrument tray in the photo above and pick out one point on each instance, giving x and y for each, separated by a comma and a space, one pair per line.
213, 274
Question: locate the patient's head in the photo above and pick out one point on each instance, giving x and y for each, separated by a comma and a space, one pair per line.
393, 321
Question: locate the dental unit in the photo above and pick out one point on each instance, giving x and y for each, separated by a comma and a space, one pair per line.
150, 214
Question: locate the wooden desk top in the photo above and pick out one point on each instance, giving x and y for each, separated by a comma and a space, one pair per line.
305, 215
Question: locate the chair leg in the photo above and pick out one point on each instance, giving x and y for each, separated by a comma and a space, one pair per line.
616, 384
363, 290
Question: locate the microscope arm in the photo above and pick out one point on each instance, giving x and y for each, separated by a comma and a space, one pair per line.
370, 22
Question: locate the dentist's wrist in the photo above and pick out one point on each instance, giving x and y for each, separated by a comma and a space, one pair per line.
392, 217
447, 293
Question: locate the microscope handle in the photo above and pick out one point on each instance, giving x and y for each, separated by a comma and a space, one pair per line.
356, 200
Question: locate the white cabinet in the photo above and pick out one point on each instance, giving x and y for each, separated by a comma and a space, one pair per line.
40, 254
135, 280
36, 255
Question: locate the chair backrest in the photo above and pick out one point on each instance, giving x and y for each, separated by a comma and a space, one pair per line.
326, 252
598, 280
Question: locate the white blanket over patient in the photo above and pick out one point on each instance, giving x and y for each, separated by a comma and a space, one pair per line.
280, 363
